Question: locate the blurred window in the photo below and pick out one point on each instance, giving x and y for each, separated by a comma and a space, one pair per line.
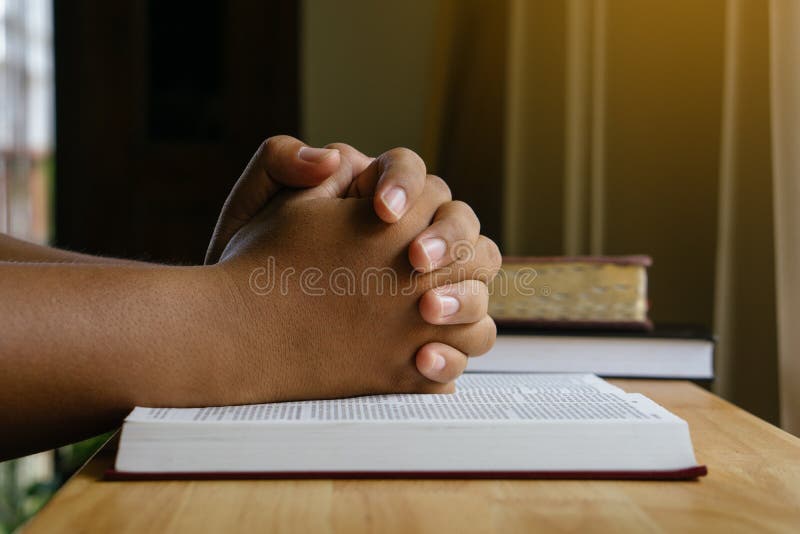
26, 117
26, 149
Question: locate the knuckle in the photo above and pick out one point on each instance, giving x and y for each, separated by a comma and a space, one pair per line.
487, 260
474, 294
271, 148
440, 187
404, 153
342, 147
455, 368
481, 287
462, 217
481, 337
464, 208
472, 217
493, 256
266, 146
481, 291
274, 141
488, 335
459, 367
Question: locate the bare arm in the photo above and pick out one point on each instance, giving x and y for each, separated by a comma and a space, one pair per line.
83, 339
80, 345
16, 250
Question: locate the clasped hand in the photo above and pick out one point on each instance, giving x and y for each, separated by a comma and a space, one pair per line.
333, 210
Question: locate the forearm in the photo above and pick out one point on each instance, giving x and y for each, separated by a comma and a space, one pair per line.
80, 345
17, 250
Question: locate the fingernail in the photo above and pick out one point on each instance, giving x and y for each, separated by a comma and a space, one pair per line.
395, 200
438, 363
314, 155
448, 305
434, 248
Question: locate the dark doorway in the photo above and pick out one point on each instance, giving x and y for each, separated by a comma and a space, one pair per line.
159, 105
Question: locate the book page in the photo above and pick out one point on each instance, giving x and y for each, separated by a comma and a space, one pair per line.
479, 397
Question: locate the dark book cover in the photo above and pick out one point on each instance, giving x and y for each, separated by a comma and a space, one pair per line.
659, 331
689, 473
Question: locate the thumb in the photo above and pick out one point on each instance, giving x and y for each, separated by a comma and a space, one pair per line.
280, 161
290, 162
342, 182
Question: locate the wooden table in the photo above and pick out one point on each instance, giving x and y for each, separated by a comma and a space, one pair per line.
753, 485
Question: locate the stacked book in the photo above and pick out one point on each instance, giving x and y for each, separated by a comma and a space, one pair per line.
587, 315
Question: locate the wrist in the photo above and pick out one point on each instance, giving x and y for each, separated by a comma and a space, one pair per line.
238, 338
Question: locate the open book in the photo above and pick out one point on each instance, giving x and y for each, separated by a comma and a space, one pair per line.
495, 426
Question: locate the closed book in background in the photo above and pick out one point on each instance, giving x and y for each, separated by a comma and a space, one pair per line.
605, 292
678, 352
